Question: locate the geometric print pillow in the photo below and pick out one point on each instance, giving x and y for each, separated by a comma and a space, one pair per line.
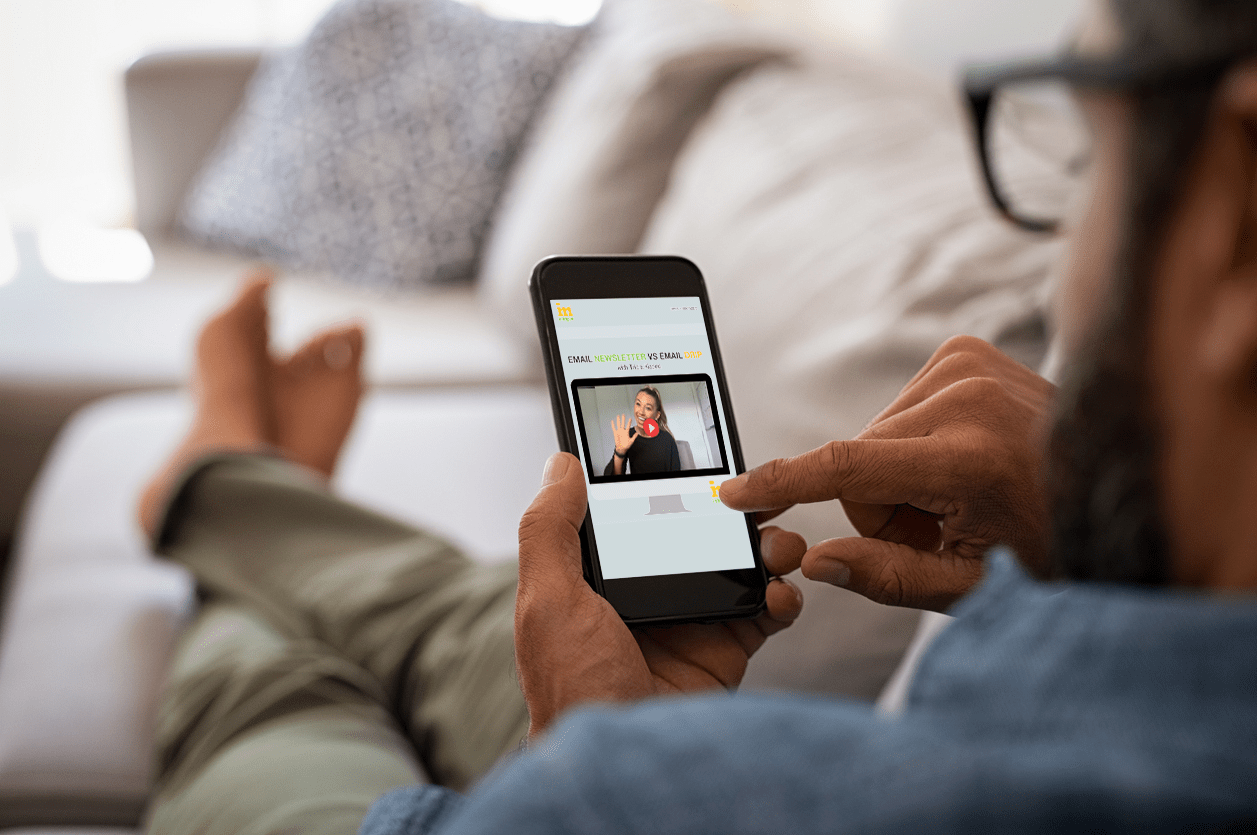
377, 148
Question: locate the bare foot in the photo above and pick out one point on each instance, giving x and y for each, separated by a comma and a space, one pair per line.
232, 384
315, 395
246, 401
233, 372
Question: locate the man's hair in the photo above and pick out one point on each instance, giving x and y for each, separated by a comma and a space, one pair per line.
1184, 30
1104, 447
1169, 117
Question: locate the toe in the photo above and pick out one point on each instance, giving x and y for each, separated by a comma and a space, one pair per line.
251, 298
343, 347
337, 353
337, 349
242, 325
257, 277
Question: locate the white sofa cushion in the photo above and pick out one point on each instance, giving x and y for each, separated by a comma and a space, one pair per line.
835, 211
598, 160
85, 652
107, 336
837, 214
89, 624
91, 616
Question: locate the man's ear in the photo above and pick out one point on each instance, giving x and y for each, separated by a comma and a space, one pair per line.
1228, 344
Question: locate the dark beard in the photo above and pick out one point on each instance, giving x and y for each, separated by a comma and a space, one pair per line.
1103, 454
1102, 462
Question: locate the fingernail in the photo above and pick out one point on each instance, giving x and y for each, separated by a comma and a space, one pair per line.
556, 466
831, 571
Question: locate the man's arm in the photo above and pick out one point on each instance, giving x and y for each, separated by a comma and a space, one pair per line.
951, 468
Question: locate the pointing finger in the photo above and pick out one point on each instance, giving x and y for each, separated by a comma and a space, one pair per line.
899, 471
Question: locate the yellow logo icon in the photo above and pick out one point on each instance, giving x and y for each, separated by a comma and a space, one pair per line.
715, 491
563, 313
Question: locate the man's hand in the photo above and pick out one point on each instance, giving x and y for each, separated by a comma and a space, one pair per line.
570, 645
948, 470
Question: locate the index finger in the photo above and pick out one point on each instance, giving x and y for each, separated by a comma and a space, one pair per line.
871, 471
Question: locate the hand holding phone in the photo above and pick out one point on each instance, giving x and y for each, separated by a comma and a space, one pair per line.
640, 397
572, 647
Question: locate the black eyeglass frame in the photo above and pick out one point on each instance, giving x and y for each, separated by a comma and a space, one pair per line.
1126, 72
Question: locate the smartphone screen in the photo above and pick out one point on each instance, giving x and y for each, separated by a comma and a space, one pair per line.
640, 376
638, 379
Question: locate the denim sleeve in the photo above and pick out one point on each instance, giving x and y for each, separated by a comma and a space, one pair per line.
754, 765
698, 766
413, 810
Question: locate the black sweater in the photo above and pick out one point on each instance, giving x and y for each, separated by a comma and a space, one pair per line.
649, 455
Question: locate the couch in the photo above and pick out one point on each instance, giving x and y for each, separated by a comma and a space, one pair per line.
827, 194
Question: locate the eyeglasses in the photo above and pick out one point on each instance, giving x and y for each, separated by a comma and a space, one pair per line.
1034, 143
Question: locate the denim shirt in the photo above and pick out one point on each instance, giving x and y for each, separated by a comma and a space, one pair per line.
1042, 708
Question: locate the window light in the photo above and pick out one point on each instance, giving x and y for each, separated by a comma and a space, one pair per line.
79, 252
566, 12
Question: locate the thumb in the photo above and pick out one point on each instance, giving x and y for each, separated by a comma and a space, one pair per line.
893, 573
549, 538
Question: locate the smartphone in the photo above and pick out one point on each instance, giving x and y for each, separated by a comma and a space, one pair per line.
639, 396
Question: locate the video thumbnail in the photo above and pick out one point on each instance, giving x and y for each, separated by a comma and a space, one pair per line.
638, 428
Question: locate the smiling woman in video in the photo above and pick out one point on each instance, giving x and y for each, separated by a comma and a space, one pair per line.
647, 446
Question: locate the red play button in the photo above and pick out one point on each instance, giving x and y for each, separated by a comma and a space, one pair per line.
649, 428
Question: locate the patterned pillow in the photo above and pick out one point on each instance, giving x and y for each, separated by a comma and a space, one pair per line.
377, 149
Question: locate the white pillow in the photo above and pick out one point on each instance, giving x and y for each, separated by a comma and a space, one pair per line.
598, 160
91, 618
835, 211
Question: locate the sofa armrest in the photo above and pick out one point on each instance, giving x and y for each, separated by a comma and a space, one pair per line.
178, 103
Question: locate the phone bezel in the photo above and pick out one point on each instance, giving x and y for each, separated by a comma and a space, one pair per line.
663, 599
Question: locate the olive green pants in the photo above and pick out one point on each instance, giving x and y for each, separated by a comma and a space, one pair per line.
336, 655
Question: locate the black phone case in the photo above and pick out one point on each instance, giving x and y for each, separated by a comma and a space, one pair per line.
568, 436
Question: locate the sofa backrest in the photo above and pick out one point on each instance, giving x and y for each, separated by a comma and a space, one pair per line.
934, 35
177, 105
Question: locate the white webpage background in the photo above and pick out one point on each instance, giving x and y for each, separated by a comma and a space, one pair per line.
620, 336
